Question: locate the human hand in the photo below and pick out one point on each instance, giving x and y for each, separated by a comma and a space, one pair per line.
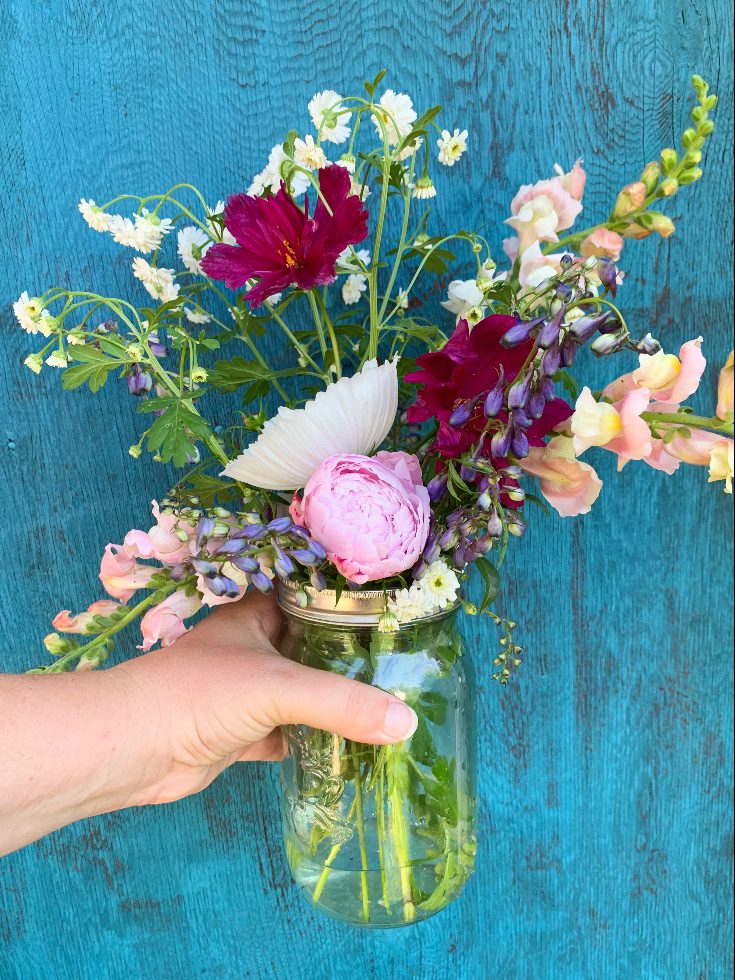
220, 693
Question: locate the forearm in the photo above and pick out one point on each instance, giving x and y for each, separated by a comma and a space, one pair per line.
71, 746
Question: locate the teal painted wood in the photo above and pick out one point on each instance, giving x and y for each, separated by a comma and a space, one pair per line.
606, 767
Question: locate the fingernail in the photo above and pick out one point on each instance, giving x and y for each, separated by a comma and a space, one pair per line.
400, 721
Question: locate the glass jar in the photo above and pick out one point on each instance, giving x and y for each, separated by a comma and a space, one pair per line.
381, 836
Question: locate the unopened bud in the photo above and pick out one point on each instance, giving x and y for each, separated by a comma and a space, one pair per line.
630, 199
669, 160
650, 176
668, 186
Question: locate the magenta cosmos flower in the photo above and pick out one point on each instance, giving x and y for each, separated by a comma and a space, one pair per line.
279, 245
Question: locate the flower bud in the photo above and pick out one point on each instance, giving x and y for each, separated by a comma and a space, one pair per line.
448, 540
231, 546
609, 343
650, 176
636, 231
648, 345
536, 404
317, 580
135, 451
566, 261
246, 564
668, 186
461, 414
630, 199
519, 391
283, 565
221, 585
608, 273
519, 333
261, 582
519, 442
494, 525
55, 644
431, 551
437, 487
516, 525
689, 176
500, 442
568, 352
669, 160
549, 332
494, 400
551, 361
485, 501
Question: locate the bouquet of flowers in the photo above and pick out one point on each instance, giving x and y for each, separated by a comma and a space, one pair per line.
402, 450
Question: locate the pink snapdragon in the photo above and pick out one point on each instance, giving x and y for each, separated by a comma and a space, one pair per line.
669, 379
165, 622
64, 622
539, 211
704, 448
725, 389
570, 486
602, 243
168, 541
573, 181
617, 427
121, 574
371, 515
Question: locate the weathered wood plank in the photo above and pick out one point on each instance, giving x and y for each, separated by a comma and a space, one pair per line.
606, 769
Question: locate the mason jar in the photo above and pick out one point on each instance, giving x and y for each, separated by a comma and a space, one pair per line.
375, 835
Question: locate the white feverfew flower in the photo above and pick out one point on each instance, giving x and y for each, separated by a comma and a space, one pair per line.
330, 118
461, 296
424, 189
408, 151
440, 583
451, 146
34, 362
75, 337
57, 359
192, 244
196, 316
402, 299
358, 189
159, 283
214, 227
270, 178
31, 315
96, 218
397, 117
409, 604
353, 288
144, 232
307, 154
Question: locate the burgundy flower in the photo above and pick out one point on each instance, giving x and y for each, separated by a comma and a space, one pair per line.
466, 368
279, 244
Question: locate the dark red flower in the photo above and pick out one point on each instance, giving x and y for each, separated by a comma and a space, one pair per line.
467, 367
279, 245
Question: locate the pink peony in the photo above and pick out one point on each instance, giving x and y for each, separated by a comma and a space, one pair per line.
570, 486
121, 574
165, 622
161, 542
370, 514
602, 243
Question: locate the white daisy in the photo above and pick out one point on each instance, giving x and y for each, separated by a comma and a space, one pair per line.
329, 116
348, 161
75, 337
308, 154
96, 218
424, 189
57, 359
440, 583
31, 315
397, 118
353, 288
270, 178
411, 604
451, 146
352, 415
159, 283
196, 316
192, 245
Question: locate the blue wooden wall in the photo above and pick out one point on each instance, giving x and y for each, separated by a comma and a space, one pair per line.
606, 767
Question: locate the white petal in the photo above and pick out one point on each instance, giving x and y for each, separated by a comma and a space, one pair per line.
353, 415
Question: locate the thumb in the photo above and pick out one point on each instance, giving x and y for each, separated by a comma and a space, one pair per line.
298, 695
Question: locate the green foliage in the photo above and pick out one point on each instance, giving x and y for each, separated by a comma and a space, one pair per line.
491, 581
173, 434
94, 368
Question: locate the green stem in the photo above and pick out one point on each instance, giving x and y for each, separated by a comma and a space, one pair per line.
397, 781
332, 334
380, 818
689, 421
361, 838
318, 324
401, 244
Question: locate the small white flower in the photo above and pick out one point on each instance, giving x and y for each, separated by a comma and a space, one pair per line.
397, 117
388, 622
348, 259
270, 178
424, 189
461, 295
57, 359
192, 244
214, 228
34, 362
329, 116
440, 582
198, 376
159, 283
308, 154
451, 146
408, 151
411, 604
348, 161
96, 218
196, 316
353, 288
31, 315
75, 337
402, 299
358, 189
144, 232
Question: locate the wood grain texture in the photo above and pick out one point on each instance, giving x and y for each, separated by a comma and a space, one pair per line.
606, 768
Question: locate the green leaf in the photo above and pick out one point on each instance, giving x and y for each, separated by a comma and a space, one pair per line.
174, 432
340, 583
233, 374
371, 86
491, 580
93, 370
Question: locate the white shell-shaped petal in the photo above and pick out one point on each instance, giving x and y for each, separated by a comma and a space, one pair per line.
353, 415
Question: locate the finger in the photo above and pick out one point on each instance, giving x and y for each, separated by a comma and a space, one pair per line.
292, 694
272, 748
255, 620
